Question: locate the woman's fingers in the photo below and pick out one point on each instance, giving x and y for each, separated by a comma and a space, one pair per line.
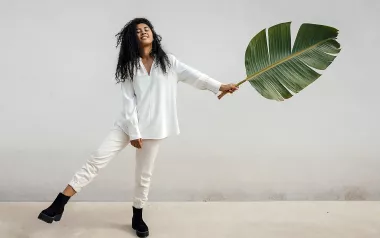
137, 143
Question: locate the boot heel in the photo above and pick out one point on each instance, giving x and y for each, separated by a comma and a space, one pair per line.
45, 218
58, 217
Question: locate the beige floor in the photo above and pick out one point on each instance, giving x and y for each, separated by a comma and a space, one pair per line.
198, 220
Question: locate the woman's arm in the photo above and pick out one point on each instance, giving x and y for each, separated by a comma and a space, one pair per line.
200, 80
130, 110
193, 77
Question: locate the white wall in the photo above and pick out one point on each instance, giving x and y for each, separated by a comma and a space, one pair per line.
58, 99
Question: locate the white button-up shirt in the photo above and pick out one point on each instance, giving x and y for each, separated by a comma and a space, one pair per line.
149, 102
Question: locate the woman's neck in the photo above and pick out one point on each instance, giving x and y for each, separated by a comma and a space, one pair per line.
145, 52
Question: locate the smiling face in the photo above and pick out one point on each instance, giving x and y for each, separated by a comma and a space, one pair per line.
144, 34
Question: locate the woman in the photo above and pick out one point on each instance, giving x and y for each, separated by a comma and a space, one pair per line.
148, 78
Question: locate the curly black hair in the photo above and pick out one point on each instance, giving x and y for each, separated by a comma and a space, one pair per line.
129, 54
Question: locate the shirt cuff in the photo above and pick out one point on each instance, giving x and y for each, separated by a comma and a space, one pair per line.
213, 85
134, 133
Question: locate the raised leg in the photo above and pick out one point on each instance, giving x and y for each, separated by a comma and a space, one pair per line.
115, 141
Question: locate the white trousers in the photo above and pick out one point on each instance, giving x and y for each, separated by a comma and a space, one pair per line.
115, 141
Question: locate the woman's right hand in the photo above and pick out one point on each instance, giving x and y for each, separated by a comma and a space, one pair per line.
137, 143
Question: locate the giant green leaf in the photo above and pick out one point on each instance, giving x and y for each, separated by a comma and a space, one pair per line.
276, 70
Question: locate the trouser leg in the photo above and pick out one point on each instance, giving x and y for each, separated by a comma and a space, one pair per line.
145, 159
115, 141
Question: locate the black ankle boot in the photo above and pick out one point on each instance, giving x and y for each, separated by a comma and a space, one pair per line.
55, 210
138, 223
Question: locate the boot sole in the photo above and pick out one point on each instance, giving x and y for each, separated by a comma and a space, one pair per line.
49, 219
142, 234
